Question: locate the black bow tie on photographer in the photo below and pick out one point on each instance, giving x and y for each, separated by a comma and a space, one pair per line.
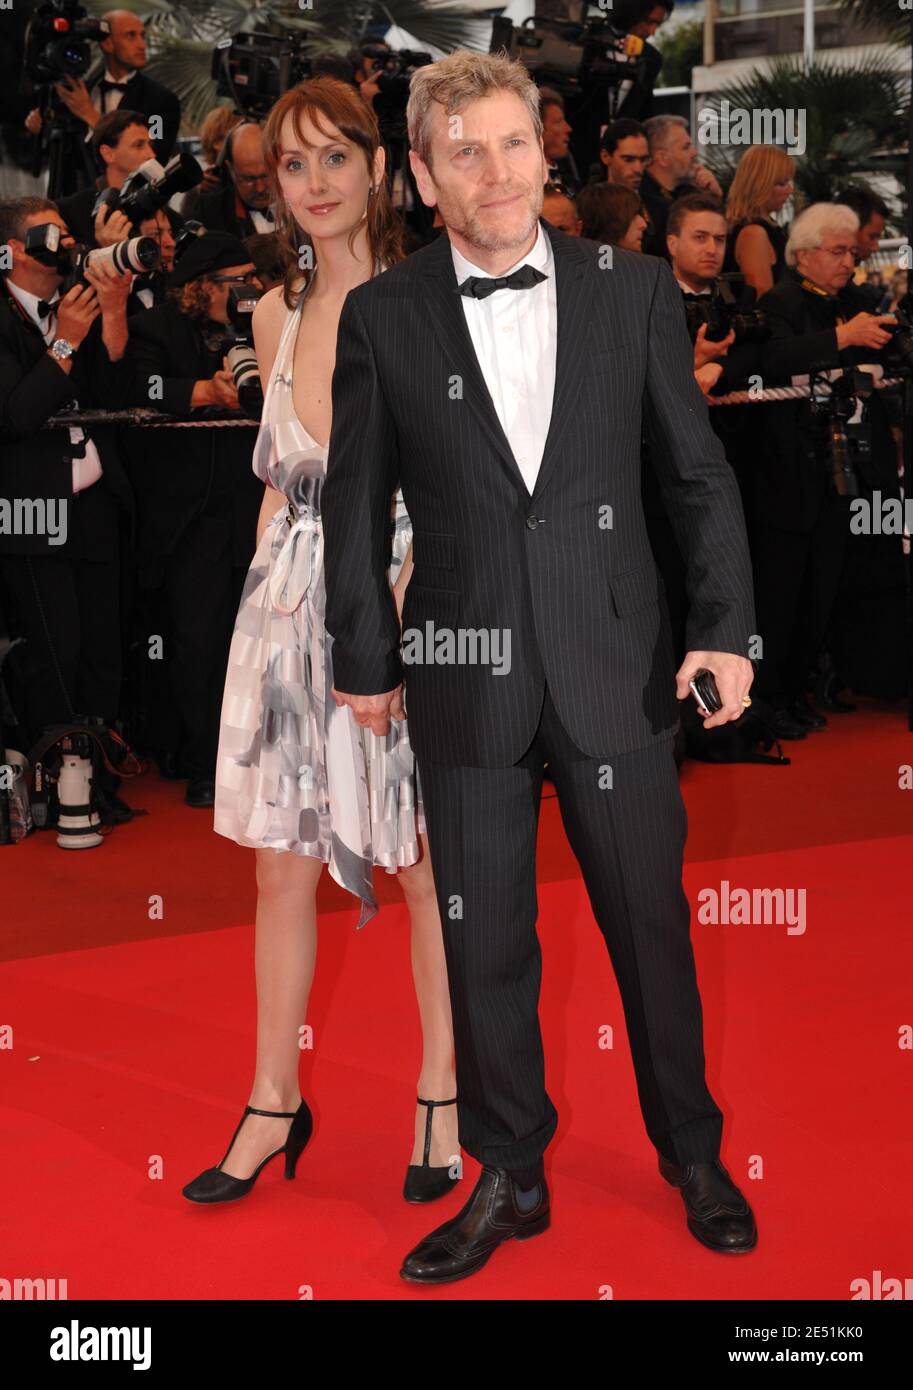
44, 308
479, 286
106, 86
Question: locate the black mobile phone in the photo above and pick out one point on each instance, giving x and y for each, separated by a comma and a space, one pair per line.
703, 687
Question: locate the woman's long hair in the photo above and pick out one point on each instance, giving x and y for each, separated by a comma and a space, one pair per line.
760, 169
338, 102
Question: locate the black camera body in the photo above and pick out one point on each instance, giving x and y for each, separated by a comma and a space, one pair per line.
150, 187
729, 308
898, 354
58, 41
254, 69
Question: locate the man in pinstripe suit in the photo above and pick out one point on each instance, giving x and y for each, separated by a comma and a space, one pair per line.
499, 377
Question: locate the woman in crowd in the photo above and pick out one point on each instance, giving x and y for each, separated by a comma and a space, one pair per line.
756, 247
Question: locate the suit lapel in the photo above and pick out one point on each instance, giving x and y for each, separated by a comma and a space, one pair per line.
445, 310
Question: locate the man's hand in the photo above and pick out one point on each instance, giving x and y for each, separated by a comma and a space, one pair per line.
374, 711
76, 313
75, 95
111, 226
223, 390
706, 350
705, 180
733, 676
111, 286
864, 330
33, 121
708, 376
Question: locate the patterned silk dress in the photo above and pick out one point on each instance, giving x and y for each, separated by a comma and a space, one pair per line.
294, 771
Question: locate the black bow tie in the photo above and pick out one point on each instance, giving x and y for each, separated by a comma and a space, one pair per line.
106, 86
479, 286
689, 294
44, 308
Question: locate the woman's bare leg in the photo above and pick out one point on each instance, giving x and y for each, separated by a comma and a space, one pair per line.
437, 1078
285, 954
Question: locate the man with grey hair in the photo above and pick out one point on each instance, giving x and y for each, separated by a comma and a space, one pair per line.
673, 171
800, 506
500, 376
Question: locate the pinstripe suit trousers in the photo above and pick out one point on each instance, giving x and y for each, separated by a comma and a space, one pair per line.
627, 828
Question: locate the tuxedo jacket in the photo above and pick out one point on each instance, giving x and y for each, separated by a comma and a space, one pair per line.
216, 209
149, 98
566, 572
37, 462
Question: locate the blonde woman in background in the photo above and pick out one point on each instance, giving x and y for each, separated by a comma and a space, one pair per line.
763, 183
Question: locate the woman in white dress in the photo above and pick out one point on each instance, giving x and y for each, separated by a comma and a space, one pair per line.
297, 779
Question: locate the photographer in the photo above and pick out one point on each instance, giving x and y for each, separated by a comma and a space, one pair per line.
120, 144
63, 589
696, 241
800, 502
198, 501
119, 81
241, 203
629, 71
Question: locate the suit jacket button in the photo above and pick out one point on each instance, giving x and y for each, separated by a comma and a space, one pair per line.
532, 522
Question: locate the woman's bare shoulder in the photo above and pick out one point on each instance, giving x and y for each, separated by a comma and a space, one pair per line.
270, 308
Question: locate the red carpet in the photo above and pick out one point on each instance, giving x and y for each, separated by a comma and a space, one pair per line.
133, 1049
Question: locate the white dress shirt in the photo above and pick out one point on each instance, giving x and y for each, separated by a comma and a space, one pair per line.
112, 99
86, 470
515, 336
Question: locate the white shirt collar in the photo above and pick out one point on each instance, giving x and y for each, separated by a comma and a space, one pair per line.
109, 76
29, 302
539, 255
688, 290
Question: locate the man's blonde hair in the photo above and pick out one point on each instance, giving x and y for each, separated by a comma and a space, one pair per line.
458, 79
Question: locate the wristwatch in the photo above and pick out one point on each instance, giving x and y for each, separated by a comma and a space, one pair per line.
61, 349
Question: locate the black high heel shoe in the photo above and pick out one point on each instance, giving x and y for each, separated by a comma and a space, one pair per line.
215, 1186
424, 1183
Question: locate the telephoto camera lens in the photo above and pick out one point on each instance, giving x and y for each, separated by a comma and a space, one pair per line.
139, 253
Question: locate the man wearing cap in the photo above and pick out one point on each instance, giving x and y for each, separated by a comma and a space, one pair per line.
197, 497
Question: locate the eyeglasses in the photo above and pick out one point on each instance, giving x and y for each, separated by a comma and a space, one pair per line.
839, 251
234, 279
250, 179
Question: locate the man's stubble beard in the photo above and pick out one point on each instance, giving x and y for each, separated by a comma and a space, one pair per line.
472, 231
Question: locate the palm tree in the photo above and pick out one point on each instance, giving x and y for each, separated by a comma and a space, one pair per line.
182, 37
855, 118
897, 22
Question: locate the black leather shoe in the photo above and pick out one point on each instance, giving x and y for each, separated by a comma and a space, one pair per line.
784, 725
168, 766
826, 693
802, 712
718, 1215
464, 1244
201, 791
213, 1185
424, 1183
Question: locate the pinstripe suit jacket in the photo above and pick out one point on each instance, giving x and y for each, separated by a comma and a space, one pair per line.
565, 572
